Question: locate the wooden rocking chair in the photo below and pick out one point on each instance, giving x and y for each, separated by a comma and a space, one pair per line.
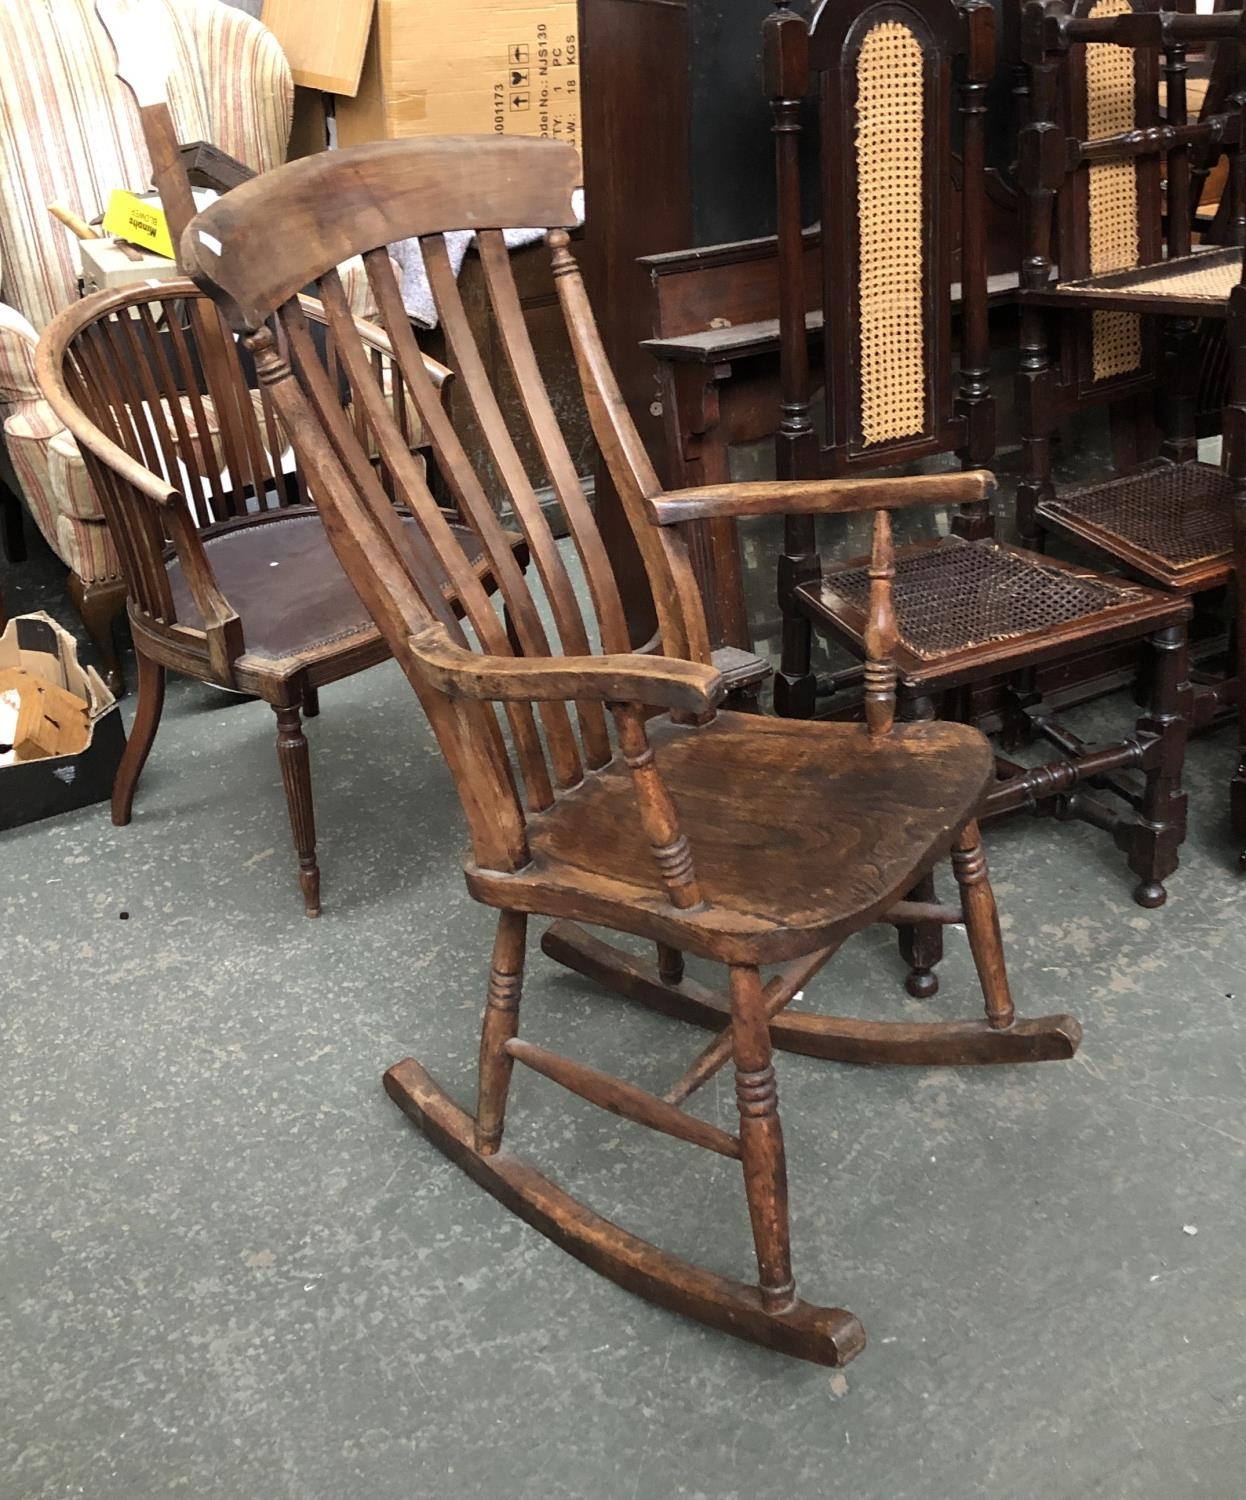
744, 840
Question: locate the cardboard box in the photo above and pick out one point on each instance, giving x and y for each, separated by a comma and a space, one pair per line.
34, 789
477, 67
38, 718
323, 40
139, 219
108, 263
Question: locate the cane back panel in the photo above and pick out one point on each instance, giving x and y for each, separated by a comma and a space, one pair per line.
1110, 212
883, 78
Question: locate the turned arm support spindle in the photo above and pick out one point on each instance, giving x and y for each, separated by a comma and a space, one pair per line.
658, 815
881, 632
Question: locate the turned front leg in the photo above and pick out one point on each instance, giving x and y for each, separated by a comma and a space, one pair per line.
500, 1025
295, 763
761, 1140
986, 943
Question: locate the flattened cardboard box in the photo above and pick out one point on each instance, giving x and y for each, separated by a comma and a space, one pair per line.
323, 40
477, 67
34, 789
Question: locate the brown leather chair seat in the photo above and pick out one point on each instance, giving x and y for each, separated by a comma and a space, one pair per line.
311, 604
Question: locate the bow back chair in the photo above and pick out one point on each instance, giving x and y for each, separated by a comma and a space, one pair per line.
602, 785
971, 610
229, 576
1109, 198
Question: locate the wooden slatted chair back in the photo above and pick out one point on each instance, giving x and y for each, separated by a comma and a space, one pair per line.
181, 442
357, 202
883, 78
1107, 168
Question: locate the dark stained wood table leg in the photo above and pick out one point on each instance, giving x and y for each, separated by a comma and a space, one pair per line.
697, 446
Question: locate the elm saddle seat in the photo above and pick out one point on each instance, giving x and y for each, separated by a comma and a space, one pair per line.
284, 580
600, 783
820, 846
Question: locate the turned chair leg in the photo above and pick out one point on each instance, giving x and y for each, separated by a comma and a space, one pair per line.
921, 946
921, 943
100, 604
1160, 830
500, 1025
142, 734
982, 926
295, 763
761, 1140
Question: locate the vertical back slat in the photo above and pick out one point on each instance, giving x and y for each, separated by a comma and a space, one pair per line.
141, 443
140, 541
340, 433
520, 355
242, 410
190, 379
204, 329
157, 399
176, 407
473, 504
676, 598
276, 443
397, 599
465, 354
423, 507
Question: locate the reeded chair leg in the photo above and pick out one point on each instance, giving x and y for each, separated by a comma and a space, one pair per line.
982, 926
921, 944
1160, 830
142, 734
295, 762
761, 1140
500, 1025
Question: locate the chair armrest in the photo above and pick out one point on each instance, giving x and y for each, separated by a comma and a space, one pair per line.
375, 337
824, 497
89, 437
657, 681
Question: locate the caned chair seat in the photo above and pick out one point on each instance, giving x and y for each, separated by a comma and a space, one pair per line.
840, 825
282, 577
967, 608
1172, 523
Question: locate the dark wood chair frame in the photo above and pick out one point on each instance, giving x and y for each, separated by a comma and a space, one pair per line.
106, 365
1144, 813
1170, 155
639, 833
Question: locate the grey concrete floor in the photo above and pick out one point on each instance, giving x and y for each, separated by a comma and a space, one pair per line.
229, 1267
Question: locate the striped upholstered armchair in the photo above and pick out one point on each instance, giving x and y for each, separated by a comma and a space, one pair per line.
70, 131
